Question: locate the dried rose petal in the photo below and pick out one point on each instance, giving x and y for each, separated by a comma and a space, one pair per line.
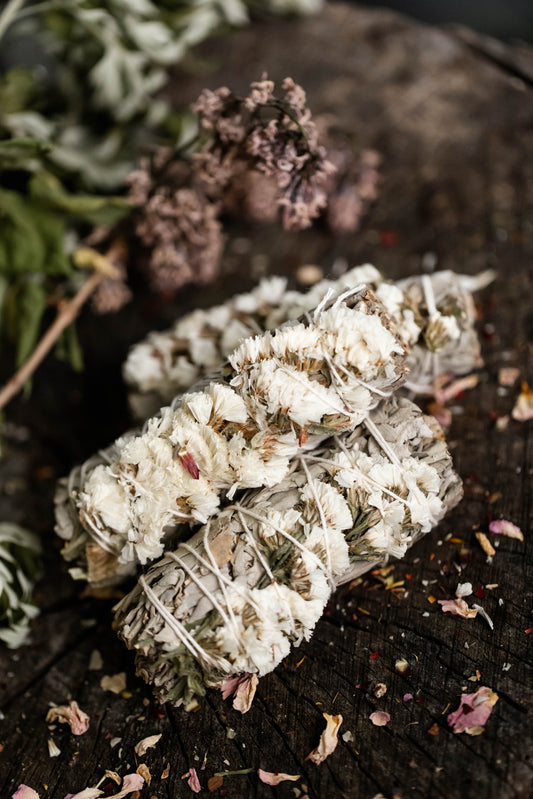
275, 777
503, 527
193, 782
458, 607
328, 739
70, 714
473, 711
25, 792
379, 718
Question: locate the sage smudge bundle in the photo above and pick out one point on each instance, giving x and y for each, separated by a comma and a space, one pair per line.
434, 314
255, 579
280, 391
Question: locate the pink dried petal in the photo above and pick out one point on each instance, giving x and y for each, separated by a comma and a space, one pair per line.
328, 739
70, 714
193, 782
473, 711
456, 387
379, 718
25, 792
188, 463
407, 697
503, 527
244, 695
131, 782
275, 777
458, 607
229, 687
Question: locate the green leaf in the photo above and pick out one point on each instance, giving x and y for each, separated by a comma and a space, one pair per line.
51, 194
17, 87
31, 239
21, 153
31, 303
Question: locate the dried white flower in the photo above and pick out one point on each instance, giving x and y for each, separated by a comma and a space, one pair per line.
316, 377
256, 578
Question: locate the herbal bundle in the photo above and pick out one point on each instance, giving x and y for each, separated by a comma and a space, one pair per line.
434, 314
279, 392
255, 579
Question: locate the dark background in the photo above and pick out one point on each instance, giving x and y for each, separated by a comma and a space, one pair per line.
505, 19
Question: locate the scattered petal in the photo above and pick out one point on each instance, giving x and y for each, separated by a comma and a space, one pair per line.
401, 666
473, 711
434, 729
503, 527
455, 388
145, 773
508, 375
116, 683
214, 783
188, 463
485, 544
25, 792
112, 775
244, 689
380, 689
328, 739
132, 782
523, 409
347, 737
275, 777
379, 718
458, 607
87, 793
96, 661
146, 743
193, 782
70, 714
463, 589
53, 748
407, 697
165, 772
483, 613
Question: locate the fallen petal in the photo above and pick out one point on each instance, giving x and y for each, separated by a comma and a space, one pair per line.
193, 782
70, 714
503, 527
379, 718
523, 409
473, 711
275, 777
244, 695
328, 739
146, 743
132, 782
116, 683
25, 792
458, 607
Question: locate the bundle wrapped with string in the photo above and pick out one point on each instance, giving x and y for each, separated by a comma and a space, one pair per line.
279, 392
255, 579
434, 314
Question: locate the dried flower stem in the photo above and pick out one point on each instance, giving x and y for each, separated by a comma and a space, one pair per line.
257, 577
67, 312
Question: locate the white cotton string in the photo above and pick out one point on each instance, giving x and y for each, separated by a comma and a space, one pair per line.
322, 519
251, 540
427, 287
322, 304
385, 446
98, 535
284, 533
346, 294
373, 389
180, 631
199, 584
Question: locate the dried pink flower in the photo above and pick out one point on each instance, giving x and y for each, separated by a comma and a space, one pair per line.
25, 792
379, 718
473, 711
275, 777
193, 782
328, 740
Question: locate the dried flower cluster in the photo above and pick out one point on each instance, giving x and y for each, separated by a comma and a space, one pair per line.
279, 392
180, 197
435, 316
256, 578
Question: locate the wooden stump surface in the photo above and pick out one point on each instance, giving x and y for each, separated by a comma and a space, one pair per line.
452, 115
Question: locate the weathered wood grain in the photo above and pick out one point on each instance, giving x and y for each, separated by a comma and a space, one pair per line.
455, 127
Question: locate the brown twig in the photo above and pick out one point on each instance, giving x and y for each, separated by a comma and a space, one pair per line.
67, 312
